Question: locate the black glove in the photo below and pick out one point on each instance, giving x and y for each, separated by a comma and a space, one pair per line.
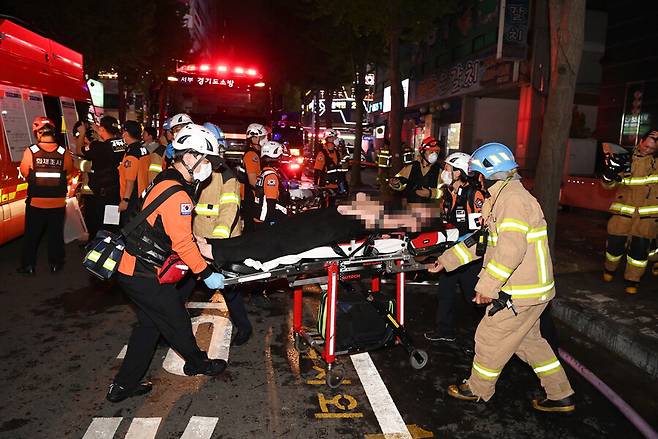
611, 175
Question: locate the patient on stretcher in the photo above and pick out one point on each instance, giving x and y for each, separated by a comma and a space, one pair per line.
314, 234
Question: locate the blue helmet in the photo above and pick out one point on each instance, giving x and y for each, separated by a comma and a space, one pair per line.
491, 158
215, 130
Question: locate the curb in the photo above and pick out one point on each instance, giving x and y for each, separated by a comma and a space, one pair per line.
613, 336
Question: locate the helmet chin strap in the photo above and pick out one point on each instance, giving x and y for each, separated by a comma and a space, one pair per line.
191, 170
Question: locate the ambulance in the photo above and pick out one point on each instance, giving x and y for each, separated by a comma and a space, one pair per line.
38, 77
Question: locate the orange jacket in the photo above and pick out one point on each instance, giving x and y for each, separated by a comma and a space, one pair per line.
26, 165
176, 215
134, 169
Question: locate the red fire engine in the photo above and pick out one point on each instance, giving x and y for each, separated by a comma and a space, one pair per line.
38, 77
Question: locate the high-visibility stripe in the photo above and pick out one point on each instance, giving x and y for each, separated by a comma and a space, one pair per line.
462, 253
528, 291
512, 225
652, 253
612, 258
537, 234
93, 256
207, 209
492, 239
635, 262
640, 181
622, 208
154, 167
229, 198
21, 187
48, 174
541, 261
109, 264
547, 368
221, 232
487, 374
499, 271
647, 210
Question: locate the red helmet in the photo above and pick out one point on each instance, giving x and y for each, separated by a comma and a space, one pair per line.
40, 122
430, 144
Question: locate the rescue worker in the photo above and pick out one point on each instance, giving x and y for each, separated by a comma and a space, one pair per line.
327, 170
160, 308
249, 172
217, 216
156, 152
133, 171
517, 278
271, 193
45, 166
463, 208
634, 221
84, 135
171, 127
105, 156
419, 182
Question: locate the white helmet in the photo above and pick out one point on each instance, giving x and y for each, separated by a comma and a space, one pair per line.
196, 138
271, 149
179, 119
459, 160
256, 130
331, 133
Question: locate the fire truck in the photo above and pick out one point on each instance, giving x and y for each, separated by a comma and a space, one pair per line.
229, 94
38, 77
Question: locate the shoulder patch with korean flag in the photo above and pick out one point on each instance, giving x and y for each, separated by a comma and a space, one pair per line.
186, 209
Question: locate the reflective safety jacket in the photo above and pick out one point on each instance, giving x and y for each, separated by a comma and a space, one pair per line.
464, 207
272, 197
327, 168
217, 214
417, 175
45, 167
157, 162
637, 193
517, 259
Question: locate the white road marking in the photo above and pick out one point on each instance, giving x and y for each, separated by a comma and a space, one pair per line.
143, 428
102, 428
220, 342
199, 427
122, 354
382, 404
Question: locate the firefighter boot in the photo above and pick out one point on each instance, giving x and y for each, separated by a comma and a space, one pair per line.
462, 391
631, 287
564, 405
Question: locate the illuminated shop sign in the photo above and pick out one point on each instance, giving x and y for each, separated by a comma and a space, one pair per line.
207, 81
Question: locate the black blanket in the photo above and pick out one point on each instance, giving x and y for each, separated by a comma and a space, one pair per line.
295, 234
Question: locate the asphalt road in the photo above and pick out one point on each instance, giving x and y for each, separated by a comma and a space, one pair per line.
61, 335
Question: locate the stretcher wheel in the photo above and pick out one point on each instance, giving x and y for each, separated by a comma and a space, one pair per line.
335, 376
418, 358
301, 345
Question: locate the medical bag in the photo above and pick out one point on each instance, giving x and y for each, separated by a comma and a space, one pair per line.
433, 243
359, 327
106, 249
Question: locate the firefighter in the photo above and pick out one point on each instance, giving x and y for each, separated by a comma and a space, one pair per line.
463, 208
84, 135
271, 192
249, 172
518, 272
160, 308
634, 221
156, 152
327, 170
133, 171
171, 127
218, 217
419, 181
105, 156
45, 166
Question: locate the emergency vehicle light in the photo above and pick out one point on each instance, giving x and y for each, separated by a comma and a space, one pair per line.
259, 84
239, 70
204, 67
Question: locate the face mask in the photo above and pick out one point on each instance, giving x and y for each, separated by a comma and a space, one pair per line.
203, 171
432, 158
446, 176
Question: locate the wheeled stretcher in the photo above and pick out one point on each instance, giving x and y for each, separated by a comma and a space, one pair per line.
369, 259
